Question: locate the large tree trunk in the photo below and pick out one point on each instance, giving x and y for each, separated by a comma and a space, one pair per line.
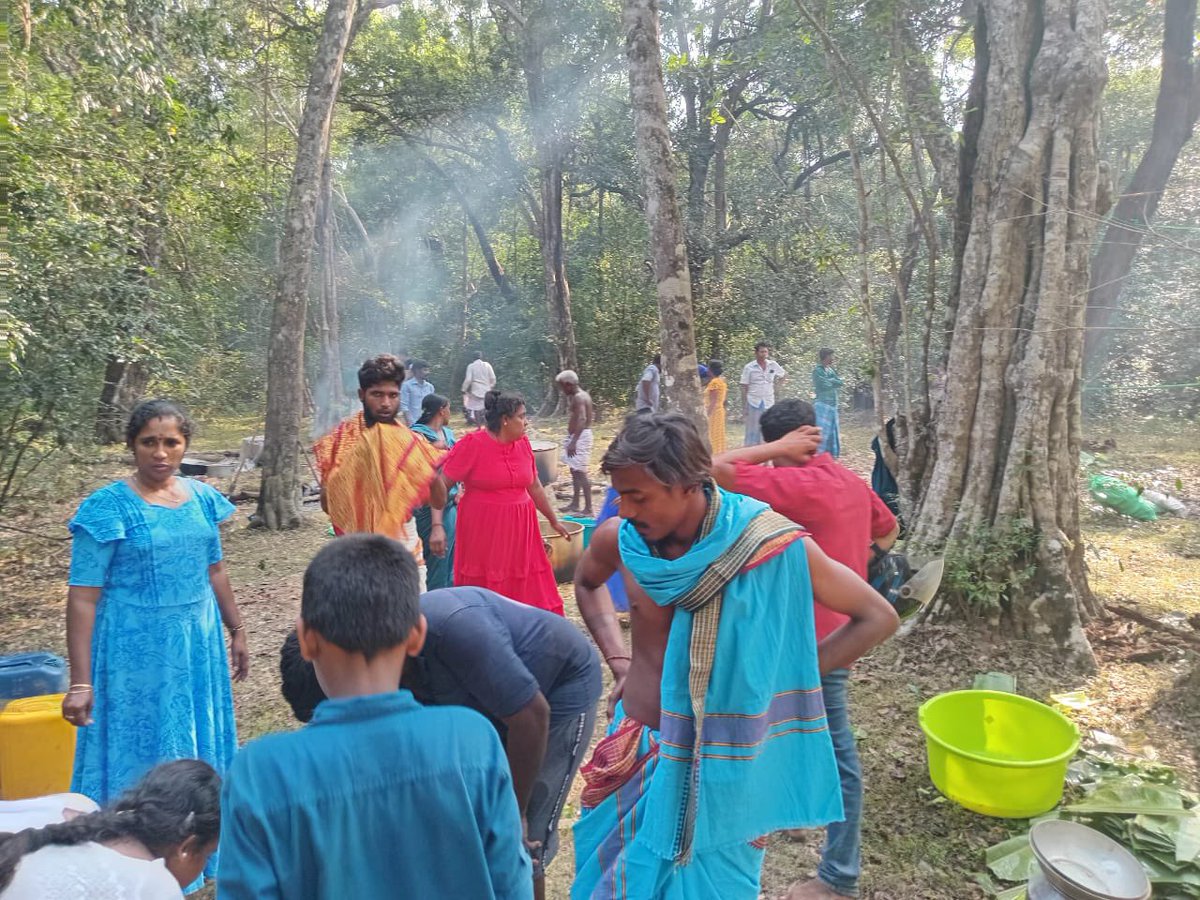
1007, 454
554, 264
1174, 118
328, 395
667, 240
533, 30
279, 502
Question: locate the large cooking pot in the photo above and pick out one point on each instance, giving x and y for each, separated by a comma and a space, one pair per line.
545, 457
564, 555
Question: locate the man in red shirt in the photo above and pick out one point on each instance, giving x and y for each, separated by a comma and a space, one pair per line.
845, 517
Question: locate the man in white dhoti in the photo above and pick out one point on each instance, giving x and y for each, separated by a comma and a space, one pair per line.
578, 449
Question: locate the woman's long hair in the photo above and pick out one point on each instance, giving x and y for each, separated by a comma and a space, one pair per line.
431, 405
175, 801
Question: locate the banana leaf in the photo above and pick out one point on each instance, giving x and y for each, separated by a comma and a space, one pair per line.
1187, 840
1011, 860
1130, 796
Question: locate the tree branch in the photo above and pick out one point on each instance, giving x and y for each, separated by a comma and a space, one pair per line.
509, 8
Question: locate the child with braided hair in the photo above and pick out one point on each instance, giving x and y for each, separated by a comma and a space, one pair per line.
149, 844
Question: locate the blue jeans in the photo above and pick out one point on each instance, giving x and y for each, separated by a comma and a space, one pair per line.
840, 862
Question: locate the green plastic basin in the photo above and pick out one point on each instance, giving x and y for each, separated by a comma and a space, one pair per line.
997, 754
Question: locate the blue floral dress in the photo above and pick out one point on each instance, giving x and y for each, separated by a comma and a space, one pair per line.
161, 676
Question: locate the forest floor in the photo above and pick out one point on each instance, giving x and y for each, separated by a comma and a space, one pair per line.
916, 844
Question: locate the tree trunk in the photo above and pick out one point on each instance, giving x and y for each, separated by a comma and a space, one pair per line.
534, 32
1174, 118
328, 395
667, 239
279, 502
1008, 427
126, 377
125, 381
554, 265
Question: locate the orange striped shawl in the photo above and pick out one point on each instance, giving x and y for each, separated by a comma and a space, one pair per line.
373, 477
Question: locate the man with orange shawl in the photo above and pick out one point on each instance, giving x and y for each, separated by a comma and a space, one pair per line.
374, 471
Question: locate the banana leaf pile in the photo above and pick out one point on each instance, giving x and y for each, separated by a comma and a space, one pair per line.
1138, 804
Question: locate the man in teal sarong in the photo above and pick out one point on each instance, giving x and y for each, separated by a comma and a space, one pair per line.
718, 735
826, 382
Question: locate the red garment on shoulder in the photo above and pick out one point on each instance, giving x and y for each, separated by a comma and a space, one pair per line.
838, 508
498, 542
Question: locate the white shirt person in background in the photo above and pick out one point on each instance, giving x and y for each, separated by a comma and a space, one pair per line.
480, 379
649, 387
759, 380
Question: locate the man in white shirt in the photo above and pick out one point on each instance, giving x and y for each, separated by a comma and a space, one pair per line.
480, 379
647, 394
759, 379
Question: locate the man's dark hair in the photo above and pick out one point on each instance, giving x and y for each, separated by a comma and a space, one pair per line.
667, 445
361, 593
419, 364
300, 687
716, 368
785, 417
497, 405
657, 359
824, 354
478, 354
149, 410
384, 367
760, 345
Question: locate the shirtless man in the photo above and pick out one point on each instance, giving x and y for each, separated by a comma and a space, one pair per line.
674, 527
578, 449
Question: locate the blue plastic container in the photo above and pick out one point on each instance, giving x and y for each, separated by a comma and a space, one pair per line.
32, 675
589, 525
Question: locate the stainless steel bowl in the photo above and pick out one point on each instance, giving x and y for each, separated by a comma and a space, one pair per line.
1083, 864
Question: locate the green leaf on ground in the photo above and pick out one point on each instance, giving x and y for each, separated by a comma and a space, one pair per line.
1131, 796
1011, 860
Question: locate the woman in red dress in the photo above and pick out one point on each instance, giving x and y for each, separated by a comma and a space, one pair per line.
499, 544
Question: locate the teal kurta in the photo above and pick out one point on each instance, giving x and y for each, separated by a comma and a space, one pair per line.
377, 797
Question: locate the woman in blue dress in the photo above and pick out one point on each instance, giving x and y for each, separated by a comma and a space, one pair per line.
434, 426
150, 681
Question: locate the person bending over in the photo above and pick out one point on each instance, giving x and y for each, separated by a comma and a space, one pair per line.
149, 844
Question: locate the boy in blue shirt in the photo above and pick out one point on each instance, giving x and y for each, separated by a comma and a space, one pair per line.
378, 796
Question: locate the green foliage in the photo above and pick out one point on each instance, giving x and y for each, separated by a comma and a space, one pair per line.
131, 219
152, 142
989, 567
